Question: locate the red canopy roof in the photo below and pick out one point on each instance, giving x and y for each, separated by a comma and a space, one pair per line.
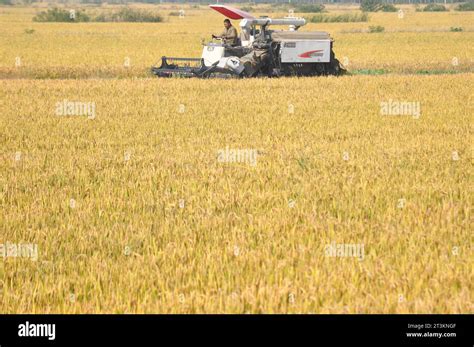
230, 12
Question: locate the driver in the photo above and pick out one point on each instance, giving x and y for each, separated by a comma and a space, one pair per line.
229, 35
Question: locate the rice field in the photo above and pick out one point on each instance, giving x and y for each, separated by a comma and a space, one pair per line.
291, 195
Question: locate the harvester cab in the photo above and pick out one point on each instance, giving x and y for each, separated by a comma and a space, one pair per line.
259, 51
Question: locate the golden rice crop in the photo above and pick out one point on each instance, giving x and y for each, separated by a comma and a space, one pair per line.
159, 224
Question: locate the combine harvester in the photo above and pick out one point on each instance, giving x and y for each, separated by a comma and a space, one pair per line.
259, 52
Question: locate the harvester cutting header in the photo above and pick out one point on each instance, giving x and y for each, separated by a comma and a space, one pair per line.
258, 51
